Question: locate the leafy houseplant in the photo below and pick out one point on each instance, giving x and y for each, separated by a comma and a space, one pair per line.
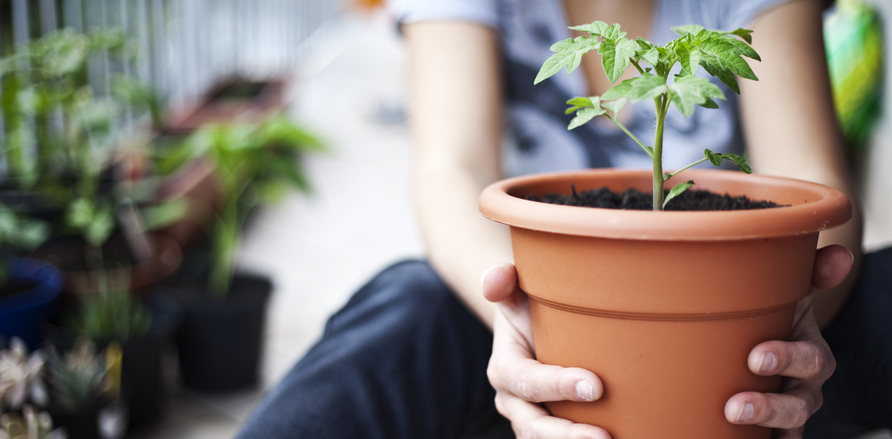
720, 54
64, 139
219, 341
670, 347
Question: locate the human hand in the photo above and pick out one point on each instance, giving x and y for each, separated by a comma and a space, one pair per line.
805, 361
520, 381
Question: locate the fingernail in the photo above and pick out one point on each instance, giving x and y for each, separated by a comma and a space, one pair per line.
768, 361
483, 276
585, 391
745, 413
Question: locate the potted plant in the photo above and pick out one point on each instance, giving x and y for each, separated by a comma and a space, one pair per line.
220, 339
141, 327
647, 336
86, 178
29, 288
83, 391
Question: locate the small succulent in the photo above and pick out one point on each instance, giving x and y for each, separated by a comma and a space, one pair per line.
81, 376
30, 425
20, 375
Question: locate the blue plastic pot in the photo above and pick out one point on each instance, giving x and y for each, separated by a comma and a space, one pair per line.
24, 314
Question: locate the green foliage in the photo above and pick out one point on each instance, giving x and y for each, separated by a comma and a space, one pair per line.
111, 313
721, 54
18, 232
255, 164
71, 131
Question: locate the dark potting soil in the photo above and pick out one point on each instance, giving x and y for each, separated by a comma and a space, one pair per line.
633, 199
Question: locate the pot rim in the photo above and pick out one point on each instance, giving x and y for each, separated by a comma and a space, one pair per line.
821, 207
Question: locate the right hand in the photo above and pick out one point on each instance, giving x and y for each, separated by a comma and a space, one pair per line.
521, 382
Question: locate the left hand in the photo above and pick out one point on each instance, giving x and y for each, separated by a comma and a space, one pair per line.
806, 361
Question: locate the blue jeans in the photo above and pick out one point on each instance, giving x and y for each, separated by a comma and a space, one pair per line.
858, 397
403, 359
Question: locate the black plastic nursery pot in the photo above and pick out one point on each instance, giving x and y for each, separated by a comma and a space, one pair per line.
34, 290
96, 420
143, 366
220, 340
143, 383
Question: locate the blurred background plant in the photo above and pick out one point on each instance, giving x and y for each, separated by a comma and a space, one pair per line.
111, 313
255, 164
21, 376
18, 234
30, 424
82, 377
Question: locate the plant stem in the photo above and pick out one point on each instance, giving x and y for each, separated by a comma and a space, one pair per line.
684, 169
660, 102
629, 133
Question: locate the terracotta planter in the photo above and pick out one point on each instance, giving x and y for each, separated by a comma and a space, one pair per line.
664, 307
231, 100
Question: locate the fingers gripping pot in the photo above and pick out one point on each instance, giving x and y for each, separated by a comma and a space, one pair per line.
663, 306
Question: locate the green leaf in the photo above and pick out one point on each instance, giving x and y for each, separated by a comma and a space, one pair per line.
646, 86
723, 56
584, 116
692, 29
739, 161
568, 54
616, 57
676, 191
80, 213
688, 58
582, 102
746, 34
614, 106
599, 28
617, 91
98, 231
610, 32
709, 103
689, 91
579, 103
647, 51
713, 157
717, 158
725, 76
281, 131
31, 234
164, 213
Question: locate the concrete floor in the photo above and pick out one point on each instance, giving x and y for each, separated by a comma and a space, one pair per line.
319, 249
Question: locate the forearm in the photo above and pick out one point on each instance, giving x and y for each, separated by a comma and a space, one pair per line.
790, 125
456, 123
461, 243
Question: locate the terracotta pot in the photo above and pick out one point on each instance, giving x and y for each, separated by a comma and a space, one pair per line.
231, 100
664, 307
